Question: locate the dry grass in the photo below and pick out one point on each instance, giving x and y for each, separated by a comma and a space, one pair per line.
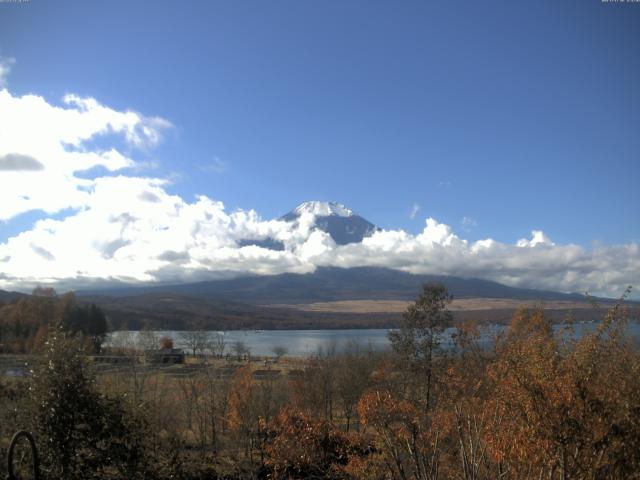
397, 306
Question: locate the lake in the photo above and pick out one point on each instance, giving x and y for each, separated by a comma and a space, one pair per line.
302, 343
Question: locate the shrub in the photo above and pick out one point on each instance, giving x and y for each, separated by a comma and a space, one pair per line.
81, 433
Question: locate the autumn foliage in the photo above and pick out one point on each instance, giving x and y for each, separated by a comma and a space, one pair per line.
25, 323
166, 343
538, 401
545, 404
570, 408
303, 447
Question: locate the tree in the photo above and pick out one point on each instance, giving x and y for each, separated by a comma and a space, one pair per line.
279, 351
87, 319
45, 292
122, 342
210, 411
418, 338
96, 326
217, 344
240, 348
303, 447
352, 379
148, 339
243, 417
569, 406
166, 343
407, 420
195, 340
315, 390
407, 448
82, 432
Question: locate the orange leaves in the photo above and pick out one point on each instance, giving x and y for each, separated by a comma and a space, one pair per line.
302, 447
527, 323
166, 343
466, 335
407, 437
563, 401
382, 410
241, 411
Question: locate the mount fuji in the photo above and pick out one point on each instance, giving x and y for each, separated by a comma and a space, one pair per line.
341, 223
279, 300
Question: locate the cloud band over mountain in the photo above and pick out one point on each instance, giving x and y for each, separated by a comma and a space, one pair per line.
120, 226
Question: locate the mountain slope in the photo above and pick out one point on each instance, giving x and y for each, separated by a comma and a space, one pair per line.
10, 296
332, 284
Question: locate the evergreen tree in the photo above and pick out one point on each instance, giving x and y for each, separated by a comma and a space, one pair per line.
418, 338
82, 434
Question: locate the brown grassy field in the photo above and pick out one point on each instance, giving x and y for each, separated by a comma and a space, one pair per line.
462, 305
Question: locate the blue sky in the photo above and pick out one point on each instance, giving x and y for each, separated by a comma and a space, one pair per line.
515, 115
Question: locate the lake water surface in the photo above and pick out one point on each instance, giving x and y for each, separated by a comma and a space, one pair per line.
301, 343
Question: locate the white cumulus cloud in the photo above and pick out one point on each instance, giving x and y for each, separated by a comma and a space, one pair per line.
43, 147
538, 237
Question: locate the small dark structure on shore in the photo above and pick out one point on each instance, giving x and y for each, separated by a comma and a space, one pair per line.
164, 356
115, 359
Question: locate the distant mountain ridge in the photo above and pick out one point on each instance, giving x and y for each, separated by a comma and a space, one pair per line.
333, 284
6, 296
264, 302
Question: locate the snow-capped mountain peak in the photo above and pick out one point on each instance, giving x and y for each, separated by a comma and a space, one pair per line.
323, 209
341, 223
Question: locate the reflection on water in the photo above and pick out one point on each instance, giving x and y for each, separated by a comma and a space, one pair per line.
301, 343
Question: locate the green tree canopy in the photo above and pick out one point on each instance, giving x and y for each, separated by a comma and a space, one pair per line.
418, 338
